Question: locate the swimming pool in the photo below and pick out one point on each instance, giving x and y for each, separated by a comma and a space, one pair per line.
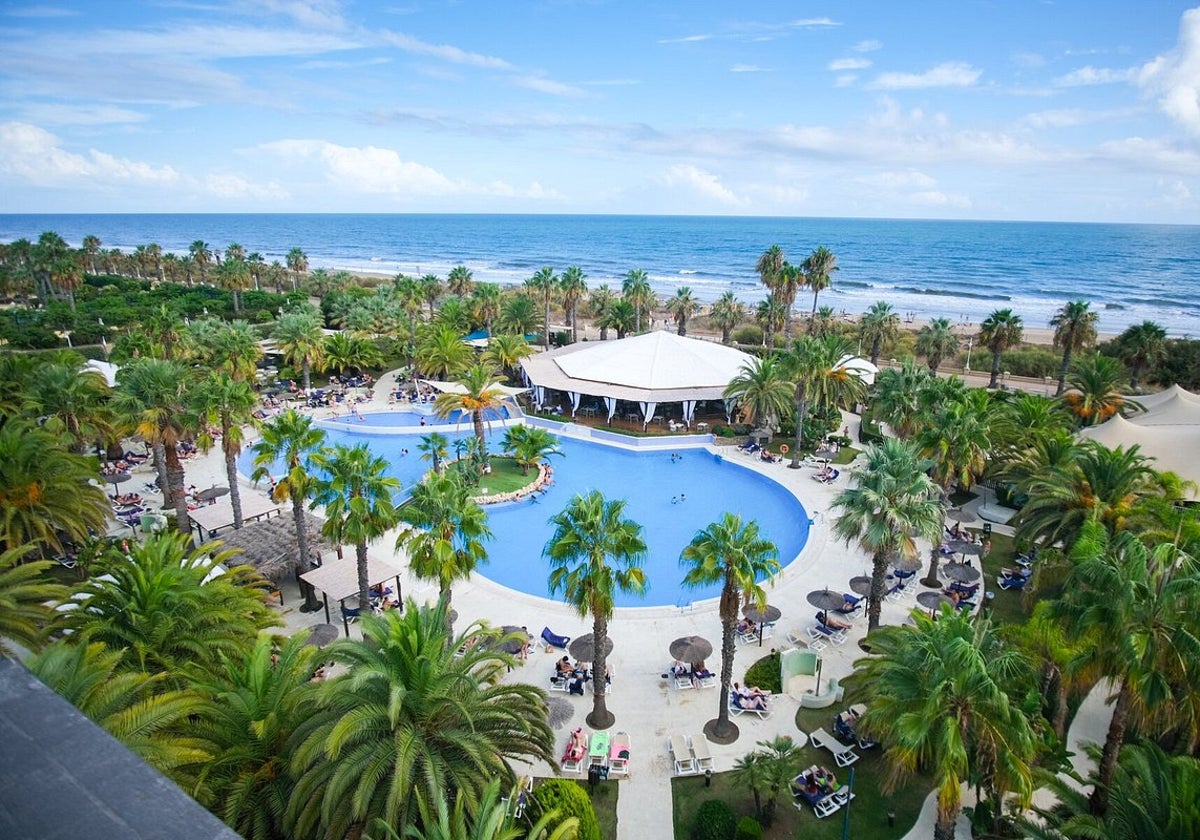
671, 499
409, 419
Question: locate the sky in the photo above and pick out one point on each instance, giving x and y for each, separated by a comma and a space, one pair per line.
1076, 110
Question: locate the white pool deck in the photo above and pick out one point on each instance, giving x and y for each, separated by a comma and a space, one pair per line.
644, 705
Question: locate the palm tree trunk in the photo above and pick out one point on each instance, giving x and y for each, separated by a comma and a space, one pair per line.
303, 558
995, 369
801, 411
364, 583
601, 717
546, 325
477, 421
306, 370
878, 576
724, 730
235, 494
175, 490
1066, 364
1058, 695
160, 466
1098, 803
876, 348
943, 829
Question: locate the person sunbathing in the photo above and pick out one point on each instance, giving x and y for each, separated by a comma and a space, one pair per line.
577, 746
754, 702
564, 667
836, 623
746, 626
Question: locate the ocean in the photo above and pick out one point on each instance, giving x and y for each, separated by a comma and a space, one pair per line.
956, 269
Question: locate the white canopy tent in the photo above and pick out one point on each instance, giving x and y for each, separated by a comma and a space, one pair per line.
650, 369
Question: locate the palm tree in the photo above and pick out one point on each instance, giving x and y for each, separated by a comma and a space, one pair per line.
289, 439
1044, 641
230, 404
1142, 347
91, 247
153, 720
898, 397
299, 338
878, 325
762, 391
493, 819
166, 605
818, 268
938, 701
230, 347
481, 397
410, 722
252, 709
588, 533
485, 302
48, 494
233, 274
1074, 328
769, 266
573, 288
505, 352
1095, 390
622, 317
71, 400
682, 306
1134, 607
999, 331
152, 397
358, 500
346, 352
447, 529
297, 263
815, 365
772, 315
529, 445
441, 353
891, 502
600, 300
726, 313
768, 770
518, 315
435, 448
26, 596
935, 341
735, 555
459, 281
431, 291
544, 283
165, 326
635, 288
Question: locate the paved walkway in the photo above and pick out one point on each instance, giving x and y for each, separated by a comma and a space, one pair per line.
644, 705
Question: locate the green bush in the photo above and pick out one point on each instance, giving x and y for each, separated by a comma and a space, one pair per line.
715, 820
748, 828
571, 801
765, 673
749, 334
1035, 362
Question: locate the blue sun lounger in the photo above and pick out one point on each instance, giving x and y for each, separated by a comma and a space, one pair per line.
555, 641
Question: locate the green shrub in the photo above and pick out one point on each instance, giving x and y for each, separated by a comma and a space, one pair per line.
748, 828
765, 673
1035, 362
749, 334
715, 820
571, 801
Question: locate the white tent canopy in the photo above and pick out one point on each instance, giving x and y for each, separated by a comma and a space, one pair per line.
457, 388
860, 367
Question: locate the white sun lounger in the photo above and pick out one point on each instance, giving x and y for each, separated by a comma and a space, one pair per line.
681, 756
843, 754
700, 753
618, 755
575, 765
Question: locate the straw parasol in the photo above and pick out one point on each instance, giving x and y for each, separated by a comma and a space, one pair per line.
212, 493
860, 585
117, 478
583, 648
904, 564
691, 649
766, 615
932, 600
826, 600
269, 545
320, 635
559, 711
513, 646
961, 572
965, 548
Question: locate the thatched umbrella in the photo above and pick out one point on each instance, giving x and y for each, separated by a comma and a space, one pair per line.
269, 545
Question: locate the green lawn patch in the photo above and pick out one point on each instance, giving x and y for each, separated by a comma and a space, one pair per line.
1009, 604
505, 476
604, 800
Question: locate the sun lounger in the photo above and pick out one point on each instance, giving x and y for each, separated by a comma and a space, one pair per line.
821, 631
573, 763
806, 639
681, 756
1012, 582
844, 755
554, 640
598, 749
618, 754
700, 753
736, 709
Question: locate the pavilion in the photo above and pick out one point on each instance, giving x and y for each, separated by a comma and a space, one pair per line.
649, 370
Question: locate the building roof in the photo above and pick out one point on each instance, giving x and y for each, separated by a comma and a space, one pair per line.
64, 777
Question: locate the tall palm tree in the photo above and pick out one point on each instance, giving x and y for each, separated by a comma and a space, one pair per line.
71, 400
435, 448
480, 397
818, 268
878, 325
735, 555
892, 501
518, 315
544, 284
1142, 347
234, 275
600, 300
1134, 606
359, 502
682, 306
772, 315
762, 391
770, 264
290, 440
999, 331
446, 534
48, 494
165, 326
1095, 390
788, 283
529, 445
26, 598
299, 338
230, 404
230, 347
622, 317
505, 352
91, 247
573, 288
635, 288
594, 553
1074, 328
152, 397
345, 352
441, 353
459, 281
938, 700
815, 367
726, 313
492, 819
431, 291
935, 341
897, 400
297, 263
251, 710
486, 299
410, 721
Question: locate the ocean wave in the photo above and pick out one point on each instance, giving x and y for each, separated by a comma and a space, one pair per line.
1164, 301
953, 293
688, 271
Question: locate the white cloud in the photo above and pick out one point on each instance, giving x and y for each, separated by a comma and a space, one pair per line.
868, 46
936, 198
1140, 154
1087, 76
367, 169
840, 64
83, 114
318, 14
947, 74
688, 177
845, 80
34, 155
748, 68
814, 23
235, 187
686, 39
895, 180
544, 85
1174, 79
1029, 60
446, 52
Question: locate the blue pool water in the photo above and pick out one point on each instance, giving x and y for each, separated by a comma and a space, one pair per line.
672, 500
405, 419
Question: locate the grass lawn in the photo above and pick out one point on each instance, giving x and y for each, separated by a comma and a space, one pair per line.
1009, 604
505, 476
604, 800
